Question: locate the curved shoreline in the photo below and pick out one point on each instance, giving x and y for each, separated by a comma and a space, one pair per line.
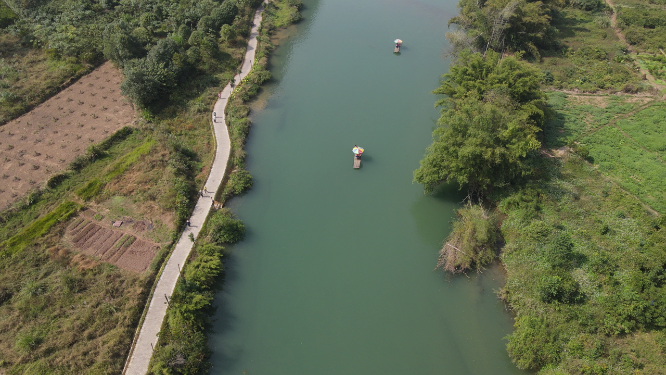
142, 349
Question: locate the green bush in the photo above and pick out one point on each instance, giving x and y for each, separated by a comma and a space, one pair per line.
533, 344
222, 228
7, 15
57, 179
91, 189
559, 253
239, 182
471, 244
558, 287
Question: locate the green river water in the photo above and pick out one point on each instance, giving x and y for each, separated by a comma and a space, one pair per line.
336, 274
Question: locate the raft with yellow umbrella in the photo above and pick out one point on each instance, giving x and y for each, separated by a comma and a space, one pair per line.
358, 152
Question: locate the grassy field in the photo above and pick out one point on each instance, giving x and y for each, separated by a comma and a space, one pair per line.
61, 312
585, 245
589, 56
620, 135
575, 115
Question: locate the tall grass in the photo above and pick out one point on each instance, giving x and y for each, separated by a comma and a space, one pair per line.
38, 228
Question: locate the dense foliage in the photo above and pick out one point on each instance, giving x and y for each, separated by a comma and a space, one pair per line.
644, 26
503, 24
586, 275
183, 347
491, 116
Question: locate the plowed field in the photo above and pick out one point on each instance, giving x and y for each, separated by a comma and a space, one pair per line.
45, 140
101, 240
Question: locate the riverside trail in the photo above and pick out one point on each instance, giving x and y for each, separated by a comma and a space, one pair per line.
142, 349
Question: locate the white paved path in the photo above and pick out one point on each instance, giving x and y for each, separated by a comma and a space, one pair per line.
139, 357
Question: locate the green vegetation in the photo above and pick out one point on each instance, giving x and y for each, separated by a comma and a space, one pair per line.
583, 231
489, 124
644, 25
7, 15
585, 265
497, 25
117, 168
183, 347
572, 42
28, 76
620, 137
91, 189
472, 242
580, 114
38, 228
588, 55
656, 65
283, 13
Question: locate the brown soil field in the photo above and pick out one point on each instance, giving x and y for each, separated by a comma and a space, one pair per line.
119, 246
45, 140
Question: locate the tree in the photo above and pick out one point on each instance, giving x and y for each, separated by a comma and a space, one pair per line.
227, 33
517, 25
479, 144
146, 82
224, 14
223, 228
489, 124
476, 75
120, 45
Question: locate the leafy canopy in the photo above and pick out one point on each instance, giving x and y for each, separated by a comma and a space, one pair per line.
490, 119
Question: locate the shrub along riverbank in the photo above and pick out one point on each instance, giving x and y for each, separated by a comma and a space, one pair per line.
572, 178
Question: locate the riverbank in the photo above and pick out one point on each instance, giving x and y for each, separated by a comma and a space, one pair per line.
583, 244
182, 330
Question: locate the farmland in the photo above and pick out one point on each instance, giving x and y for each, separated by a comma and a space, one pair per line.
74, 288
44, 141
99, 239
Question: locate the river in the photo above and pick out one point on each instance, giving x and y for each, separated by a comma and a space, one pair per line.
336, 274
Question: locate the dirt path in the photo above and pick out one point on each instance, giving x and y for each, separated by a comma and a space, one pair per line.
645, 73
142, 349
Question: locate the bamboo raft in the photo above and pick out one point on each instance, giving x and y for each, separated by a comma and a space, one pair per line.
357, 162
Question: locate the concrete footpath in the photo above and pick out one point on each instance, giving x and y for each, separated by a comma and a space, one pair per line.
142, 351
